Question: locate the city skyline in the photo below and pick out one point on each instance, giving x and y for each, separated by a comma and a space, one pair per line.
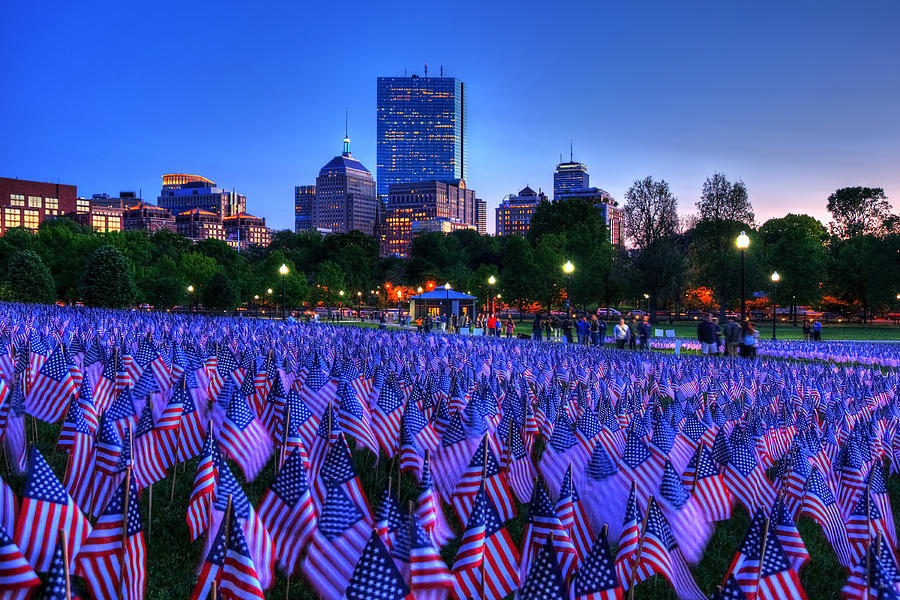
762, 93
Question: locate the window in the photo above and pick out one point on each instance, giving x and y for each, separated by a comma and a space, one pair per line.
16, 200
82, 205
52, 203
98, 223
32, 219
12, 217
114, 224
34, 201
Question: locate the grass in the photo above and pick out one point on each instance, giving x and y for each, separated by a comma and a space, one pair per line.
786, 331
173, 560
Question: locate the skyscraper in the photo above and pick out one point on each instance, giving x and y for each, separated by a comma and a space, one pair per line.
421, 130
304, 196
570, 176
182, 192
344, 196
481, 216
426, 207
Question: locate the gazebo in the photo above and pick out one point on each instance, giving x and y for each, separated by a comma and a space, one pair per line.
442, 301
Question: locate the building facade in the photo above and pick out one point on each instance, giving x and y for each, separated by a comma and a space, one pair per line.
609, 209
570, 176
198, 225
426, 206
481, 216
515, 211
421, 131
147, 217
304, 196
26, 203
124, 200
102, 219
181, 192
243, 231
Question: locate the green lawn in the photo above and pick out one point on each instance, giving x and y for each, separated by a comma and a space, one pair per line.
786, 331
173, 559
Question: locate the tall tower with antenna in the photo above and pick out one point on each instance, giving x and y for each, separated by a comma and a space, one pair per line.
570, 175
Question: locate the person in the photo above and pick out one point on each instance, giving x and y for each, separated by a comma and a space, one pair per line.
748, 346
633, 334
510, 326
732, 337
567, 329
489, 326
717, 333
419, 325
498, 325
548, 328
706, 335
817, 331
620, 333
382, 322
595, 331
584, 331
807, 330
644, 331
536, 327
454, 323
602, 333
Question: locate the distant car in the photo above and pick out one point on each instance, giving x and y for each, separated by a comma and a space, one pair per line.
606, 311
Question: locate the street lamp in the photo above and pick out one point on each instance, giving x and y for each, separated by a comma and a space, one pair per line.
647, 301
419, 289
341, 308
775, 279
359, 305
399, 298
283, 269
190, 290
743, 242
568, 268
491, 281
447, 292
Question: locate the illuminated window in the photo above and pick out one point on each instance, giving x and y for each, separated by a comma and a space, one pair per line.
32, 219
82, 205
12, 217
98, 223
16, 200
114, 224
51, 203
34, 201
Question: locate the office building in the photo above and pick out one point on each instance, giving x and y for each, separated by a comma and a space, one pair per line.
342, 200
123, 200
426, 206
26, 203
102, 219
421, 130
481, 216
304, 196
147, 217
515, 211
243, 231
570, 176
181, 192
611, 214
198, 224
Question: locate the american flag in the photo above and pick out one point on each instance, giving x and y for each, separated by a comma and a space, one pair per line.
629, 538
16, 575
167, 429
391, 522
483, 467
819, 504
777, 578
317, 391
386, 416
428, 508
452, 457
746, 479
516, 464
52, 387
46, 509
77, 438
543, 524
486, 563
730, 591
86, 402
573, 517
787, 533
745, 566
658, 552
204, 487
288, 513
544, 580
244, 438
879, 494
429, 577
339, 540
149, 464
424, 431
596, 579
877, 570
337, 468
192, 429
354, 418
9, 507
411, 453
229, 564
103, 555
703, 480
57, 584
375, 576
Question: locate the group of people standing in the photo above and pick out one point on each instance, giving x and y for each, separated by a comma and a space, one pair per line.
634, 334
587, 332
736, 339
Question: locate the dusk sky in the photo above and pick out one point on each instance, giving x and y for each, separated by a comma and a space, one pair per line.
795, 100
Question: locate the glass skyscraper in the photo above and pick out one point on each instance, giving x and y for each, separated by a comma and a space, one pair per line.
570, 176
421, 131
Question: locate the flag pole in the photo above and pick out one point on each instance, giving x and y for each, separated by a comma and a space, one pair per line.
65, 549
762, 553
124, 529
640, 548
287, 431
177, 449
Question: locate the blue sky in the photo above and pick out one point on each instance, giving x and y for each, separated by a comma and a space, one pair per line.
795, 98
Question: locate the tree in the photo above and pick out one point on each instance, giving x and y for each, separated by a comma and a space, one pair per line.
651, 212
329, 282
859, 211
865, 271
28, 279
722, 200
794, 246
715, 262
164, 286
517, 275
107, 280
220, 293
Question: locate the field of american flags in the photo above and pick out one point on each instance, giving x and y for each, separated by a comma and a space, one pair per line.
172, 561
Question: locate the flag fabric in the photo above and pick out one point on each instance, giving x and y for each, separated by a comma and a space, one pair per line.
55, 584
375, 576
787, 533
573, 517
819, 504
483, 467
204, 488
777, 579
16, 575
288, 512
428, 509
428, 575
228, 564
596, 579
543, 524
629, 538
746, 479
244, 439
103, 554
386, 415
46, 509
149, 463
703, 482
51, 388
545, 580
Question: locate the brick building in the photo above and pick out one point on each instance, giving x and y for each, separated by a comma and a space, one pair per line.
26, 203
198, 225
244, 230
426, 206
147, 217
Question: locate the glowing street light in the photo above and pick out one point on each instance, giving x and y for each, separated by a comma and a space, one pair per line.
283, 269
568, 269
775, 279
491, 281
190, 290
743, 242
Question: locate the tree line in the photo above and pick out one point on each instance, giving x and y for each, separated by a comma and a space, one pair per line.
853, 265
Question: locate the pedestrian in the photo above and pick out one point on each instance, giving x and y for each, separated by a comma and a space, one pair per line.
644, 330
807, 330
536, 327
748, 345
602, 333
567, 329
548, 327
706, 335
633, 334
510, 326
454, 323
584, 331
717, 333
595, 331
498, 325
620, 334
817, 331
732, 337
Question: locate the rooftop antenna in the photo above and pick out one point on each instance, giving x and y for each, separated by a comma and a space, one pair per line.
346, 133
571, 150
426, 69
442, 70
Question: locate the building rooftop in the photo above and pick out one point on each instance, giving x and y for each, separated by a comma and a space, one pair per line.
344, 161
183, 178
199, 211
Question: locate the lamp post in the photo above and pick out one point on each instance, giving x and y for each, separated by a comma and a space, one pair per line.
647, 301
190, 290
743, 242
775, 279
283, 269
359, 305
567, 269
399, 298
491, 281
341, 308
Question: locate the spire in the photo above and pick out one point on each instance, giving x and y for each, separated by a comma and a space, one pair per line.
346, 134
571, 150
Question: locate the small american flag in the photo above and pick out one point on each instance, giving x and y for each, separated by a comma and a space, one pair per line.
52, 387
204, 487
777, 579
386, 416
596, 579
429, 577
820, 505
354, 418
375, 576
626, 553
428, 508
545, 580
229, 565
149, 464
483, 467
543, 525
244, 438
16, 575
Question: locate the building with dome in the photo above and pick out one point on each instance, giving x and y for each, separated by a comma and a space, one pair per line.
515, 211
